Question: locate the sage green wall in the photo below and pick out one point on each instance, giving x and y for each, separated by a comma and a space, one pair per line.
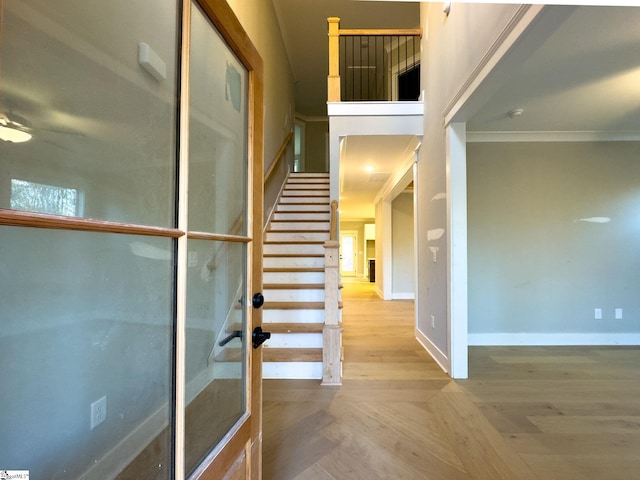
316, 146
403, 245
534, 267
259, 20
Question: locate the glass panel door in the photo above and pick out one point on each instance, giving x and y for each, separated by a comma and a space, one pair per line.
87, 320
217, 290
125, 312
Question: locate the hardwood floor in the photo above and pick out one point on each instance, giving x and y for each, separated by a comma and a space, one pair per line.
526, 413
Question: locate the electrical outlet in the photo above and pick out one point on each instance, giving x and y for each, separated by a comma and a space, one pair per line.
618, 314
597, 314
98, 412
433, 321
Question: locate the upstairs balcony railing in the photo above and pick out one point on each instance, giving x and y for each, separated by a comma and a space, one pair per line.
373, 65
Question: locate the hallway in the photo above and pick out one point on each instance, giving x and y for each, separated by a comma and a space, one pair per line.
397, 415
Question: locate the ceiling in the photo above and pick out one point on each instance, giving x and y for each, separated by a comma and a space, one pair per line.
583, 75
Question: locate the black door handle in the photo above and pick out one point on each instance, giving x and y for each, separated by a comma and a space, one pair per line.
259, 337
258, 300
227, 339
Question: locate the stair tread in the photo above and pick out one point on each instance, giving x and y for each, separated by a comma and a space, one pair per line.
293, 327
294, 242
298, 212
291, 270
291, 354
298, 231
295, 255
296, 204
304, 220
293, 286
295, 305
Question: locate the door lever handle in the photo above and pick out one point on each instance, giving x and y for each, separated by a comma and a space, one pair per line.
259, 337
227, 339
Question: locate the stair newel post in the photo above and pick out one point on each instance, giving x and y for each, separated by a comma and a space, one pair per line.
333, 81
332, 331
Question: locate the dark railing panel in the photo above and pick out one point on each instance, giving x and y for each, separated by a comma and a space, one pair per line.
379, 67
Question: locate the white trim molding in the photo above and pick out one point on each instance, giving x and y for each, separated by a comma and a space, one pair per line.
548, 137
438, 355
457, 272
553, 339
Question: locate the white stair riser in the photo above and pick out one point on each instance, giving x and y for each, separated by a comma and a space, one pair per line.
324, 207
292, 316
309, 175
301, 217
306, 186
294, 295
303, 226
300, 179
293, 262
294, 340
305, 201
305, 193
292, 371
293, 277
295, 249
297, 236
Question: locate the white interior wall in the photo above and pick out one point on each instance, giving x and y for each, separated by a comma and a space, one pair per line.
452, 48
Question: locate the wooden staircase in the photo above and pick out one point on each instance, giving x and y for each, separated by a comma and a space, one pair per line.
294, 278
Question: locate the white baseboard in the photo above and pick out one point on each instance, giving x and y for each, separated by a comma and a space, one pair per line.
403, 296
438, 355
550, 339
378, 292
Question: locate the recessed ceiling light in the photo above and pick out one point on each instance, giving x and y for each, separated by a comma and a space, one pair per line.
369, 168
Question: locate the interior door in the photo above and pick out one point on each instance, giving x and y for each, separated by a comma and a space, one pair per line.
222, 384
348, 253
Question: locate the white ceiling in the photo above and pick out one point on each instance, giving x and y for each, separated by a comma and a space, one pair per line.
583, 76
367, 162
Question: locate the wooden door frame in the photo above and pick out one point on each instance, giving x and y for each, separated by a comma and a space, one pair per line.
229, 461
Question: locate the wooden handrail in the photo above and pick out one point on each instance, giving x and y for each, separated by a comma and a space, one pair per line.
405, 31
278, 156
212, 264
333, 228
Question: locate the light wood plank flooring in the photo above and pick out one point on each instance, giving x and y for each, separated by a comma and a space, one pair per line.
526, 413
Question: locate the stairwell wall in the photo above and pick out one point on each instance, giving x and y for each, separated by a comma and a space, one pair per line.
452, 47
259, 20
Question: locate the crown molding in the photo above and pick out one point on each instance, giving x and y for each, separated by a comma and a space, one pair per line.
547, 137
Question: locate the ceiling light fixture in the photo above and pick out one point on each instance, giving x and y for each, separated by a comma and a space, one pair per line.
13, 135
